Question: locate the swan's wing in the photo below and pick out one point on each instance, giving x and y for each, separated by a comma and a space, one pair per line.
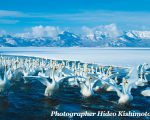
5, 76
44, 81
96, 83
114, 87
8, 71
130, 86
43, 75
68, 77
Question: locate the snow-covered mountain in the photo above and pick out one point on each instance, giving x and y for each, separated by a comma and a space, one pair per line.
68, 39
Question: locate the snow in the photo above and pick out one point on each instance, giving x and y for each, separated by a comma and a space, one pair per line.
10, 41
139, 34
126, 57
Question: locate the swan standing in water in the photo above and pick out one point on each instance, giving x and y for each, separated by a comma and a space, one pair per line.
4, 84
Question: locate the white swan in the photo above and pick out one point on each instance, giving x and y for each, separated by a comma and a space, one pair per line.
97, 84
4, 83
142, 80
125, 94
86, 90
53, 86
9, 74
146, 92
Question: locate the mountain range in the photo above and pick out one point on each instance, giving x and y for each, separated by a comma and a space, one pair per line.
69, 39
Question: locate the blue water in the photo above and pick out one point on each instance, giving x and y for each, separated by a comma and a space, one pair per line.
27, 102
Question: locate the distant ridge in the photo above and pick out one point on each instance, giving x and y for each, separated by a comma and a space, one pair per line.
69, 39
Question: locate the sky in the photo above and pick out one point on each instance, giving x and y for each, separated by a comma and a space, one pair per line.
25, 15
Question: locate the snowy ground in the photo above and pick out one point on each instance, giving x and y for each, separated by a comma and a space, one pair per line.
104, 56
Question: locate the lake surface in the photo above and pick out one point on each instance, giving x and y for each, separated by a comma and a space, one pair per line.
27, 102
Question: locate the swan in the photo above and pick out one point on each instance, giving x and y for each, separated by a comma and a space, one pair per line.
110, 80
27, 72
65, 71
54, 85
142, 80
109, 71
139, 70
4, 83
124, 95
142, 68
86, 89
9, 74
146, 92
97, 84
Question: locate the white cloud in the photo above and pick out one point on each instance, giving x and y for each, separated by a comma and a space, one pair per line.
47, 31
41, 31
86, 31
38, 31
109, 30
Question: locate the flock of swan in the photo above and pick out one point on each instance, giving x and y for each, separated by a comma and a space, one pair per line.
89, 78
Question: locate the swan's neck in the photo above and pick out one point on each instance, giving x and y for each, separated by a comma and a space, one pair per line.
89, 84
5, 76
53, 76
145, 77
124, 88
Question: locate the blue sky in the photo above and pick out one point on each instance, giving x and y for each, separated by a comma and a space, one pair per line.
19, 15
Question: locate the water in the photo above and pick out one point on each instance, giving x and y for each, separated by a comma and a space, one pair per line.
27, 102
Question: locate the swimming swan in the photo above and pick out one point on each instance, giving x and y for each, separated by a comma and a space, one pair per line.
54, 85
124, 94
4, 83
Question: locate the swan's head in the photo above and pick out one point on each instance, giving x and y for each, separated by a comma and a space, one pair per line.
55, 68
96, 68
111, 68
85, 65
6, 66
73, 65
116, 79
79, 66
63, 63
